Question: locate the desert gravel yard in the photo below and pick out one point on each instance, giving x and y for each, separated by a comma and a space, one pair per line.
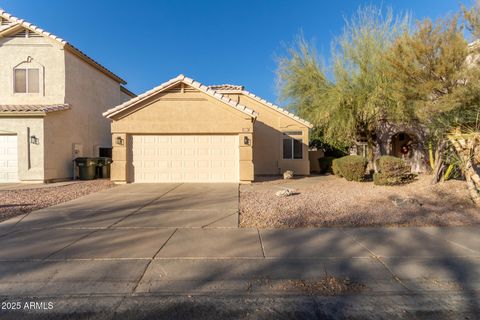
329, 201
19, 201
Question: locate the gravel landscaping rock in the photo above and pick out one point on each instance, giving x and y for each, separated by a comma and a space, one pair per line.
284, 193
288, 174
329, 201
17, 202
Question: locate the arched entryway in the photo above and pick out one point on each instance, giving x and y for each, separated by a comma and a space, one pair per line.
402, 145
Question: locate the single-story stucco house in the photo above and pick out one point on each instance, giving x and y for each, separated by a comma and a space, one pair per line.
52, 96
184, 131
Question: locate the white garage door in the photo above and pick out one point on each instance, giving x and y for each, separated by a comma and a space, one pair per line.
184, 158
8, 158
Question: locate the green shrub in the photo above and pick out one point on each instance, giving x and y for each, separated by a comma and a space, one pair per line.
351, 168
392, 166
336, 167
381, 179
326, 164
392, 171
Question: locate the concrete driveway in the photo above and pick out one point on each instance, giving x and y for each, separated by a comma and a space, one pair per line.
145, 205
111, 248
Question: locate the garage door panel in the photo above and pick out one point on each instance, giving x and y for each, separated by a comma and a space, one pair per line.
185, 158
8, 158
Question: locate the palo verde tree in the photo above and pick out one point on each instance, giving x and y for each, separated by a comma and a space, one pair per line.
353, 102
433, 82
472, 18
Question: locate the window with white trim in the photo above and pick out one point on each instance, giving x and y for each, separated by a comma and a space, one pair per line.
26, 80
292, 148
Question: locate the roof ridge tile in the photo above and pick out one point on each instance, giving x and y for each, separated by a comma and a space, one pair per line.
31, 26
275, 107
178, 79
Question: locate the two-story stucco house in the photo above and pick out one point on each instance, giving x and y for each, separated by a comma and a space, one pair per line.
184, 131
52, 96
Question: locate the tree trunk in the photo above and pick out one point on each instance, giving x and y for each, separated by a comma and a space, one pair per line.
439, 163
464, 150
370, 153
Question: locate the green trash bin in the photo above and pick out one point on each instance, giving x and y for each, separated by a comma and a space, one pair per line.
103, 167
86, 168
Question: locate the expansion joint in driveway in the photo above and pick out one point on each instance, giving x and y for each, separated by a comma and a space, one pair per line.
379, 260
261, 243
12, 229
96, 230
150, 262
219, 219
146, 204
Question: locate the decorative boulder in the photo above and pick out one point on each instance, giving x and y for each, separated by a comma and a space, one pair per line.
284, 193
288, 174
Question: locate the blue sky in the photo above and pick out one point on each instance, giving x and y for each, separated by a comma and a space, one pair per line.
149, 42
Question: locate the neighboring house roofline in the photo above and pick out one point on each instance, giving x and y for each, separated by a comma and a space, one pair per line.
475, 43
127, 92
171, 83
20, 23
226, 87
234, 89
31, 109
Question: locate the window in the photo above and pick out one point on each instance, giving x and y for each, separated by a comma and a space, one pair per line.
26, 80
292, 148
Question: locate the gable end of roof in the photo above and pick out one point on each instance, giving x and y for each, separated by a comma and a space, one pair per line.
16, 23
277, 108
173, 82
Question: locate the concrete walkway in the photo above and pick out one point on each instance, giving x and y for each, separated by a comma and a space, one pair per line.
112, 251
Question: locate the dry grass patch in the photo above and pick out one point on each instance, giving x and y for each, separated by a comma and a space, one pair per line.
329, 201
325, 286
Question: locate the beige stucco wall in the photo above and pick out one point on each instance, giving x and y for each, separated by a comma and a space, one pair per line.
313, 156
30, 156
65, 78
45, 55
181, 113
49, 58
89, 93
268, 137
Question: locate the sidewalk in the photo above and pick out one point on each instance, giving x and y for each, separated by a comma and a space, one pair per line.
411, 267
196, 260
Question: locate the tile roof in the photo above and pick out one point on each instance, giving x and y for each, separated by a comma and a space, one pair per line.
474, 44
15, 108
172, 82
240, 89
16, 21
226, 87
277, 108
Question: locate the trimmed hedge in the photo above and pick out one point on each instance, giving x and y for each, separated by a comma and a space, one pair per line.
393, 166
336, 167
392, 171
326, 164
351, 167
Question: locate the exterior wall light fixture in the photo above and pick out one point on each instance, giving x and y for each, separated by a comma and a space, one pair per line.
34, 140
246, 141
120, 141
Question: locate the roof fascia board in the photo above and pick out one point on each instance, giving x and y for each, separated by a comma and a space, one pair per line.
16, 114
11, 29
142, 100
173, 82
277, 108
64, 44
